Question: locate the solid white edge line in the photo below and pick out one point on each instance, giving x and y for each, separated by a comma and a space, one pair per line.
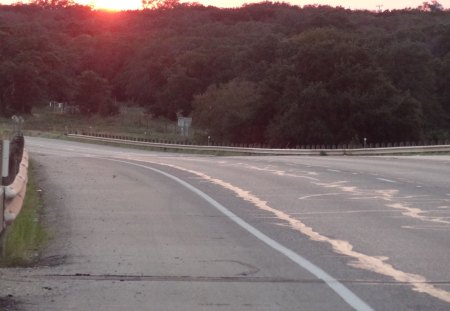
348, 296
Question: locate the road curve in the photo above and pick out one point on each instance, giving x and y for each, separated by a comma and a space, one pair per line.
158, 231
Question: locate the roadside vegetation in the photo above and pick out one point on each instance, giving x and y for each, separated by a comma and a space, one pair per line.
26, 235
266, 73
128, 121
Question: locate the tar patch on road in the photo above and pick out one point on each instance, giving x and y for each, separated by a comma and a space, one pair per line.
8, 304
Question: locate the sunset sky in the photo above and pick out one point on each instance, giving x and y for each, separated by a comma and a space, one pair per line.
353, 4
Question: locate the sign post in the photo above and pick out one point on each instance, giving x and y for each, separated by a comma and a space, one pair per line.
184, 124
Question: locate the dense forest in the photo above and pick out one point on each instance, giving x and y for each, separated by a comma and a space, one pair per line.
263, 73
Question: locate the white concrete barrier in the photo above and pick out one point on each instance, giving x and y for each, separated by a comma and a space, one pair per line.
15, 193
20, 181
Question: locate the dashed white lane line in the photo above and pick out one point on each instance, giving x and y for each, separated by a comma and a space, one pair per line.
348, 296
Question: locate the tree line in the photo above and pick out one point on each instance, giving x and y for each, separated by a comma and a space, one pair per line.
268, 73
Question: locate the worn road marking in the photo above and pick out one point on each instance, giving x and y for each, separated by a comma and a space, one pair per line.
273, 170
435, 228
375, 264
348, 296
319, 195
387, 180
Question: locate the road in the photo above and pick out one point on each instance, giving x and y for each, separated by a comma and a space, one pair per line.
140, 230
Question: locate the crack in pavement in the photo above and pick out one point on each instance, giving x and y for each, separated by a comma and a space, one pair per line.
225, 279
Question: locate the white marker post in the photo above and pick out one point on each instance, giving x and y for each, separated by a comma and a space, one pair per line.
5, 160
5, 172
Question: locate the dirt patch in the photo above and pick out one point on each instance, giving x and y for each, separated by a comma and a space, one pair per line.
55, 217
51, 261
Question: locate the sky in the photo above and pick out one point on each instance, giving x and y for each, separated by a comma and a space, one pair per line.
351, 4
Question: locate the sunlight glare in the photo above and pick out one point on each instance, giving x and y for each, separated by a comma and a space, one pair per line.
120, 5
117, 5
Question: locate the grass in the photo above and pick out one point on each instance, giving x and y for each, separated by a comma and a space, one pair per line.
26, 235
129, 122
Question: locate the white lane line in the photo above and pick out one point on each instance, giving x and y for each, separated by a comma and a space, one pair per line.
348, 296
387, 180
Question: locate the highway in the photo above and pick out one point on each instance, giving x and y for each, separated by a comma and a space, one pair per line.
141, 230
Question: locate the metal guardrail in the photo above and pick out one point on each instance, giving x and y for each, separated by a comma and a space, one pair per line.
264, 151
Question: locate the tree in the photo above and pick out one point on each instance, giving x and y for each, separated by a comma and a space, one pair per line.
176, 96
410, 67
433, 6
305, 117
148, 4
7, 87
21, 87
53, 3
228, 112
160, 4
337, 93
93, 95
443, 92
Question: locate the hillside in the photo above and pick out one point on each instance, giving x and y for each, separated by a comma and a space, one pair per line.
263, 73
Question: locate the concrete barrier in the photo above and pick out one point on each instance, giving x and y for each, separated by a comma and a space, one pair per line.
14, 194
20, 181
263, 151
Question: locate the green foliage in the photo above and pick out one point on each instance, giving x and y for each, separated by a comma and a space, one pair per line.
443, 87
53, 3
20, 87
229, 111
263, 73
93, 95
160, 4
433, 6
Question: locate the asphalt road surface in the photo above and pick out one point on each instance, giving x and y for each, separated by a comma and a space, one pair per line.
139, 230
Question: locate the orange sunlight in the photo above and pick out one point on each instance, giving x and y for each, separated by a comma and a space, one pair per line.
119, 5
114, 5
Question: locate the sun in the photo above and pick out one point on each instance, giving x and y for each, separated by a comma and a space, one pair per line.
116, 5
